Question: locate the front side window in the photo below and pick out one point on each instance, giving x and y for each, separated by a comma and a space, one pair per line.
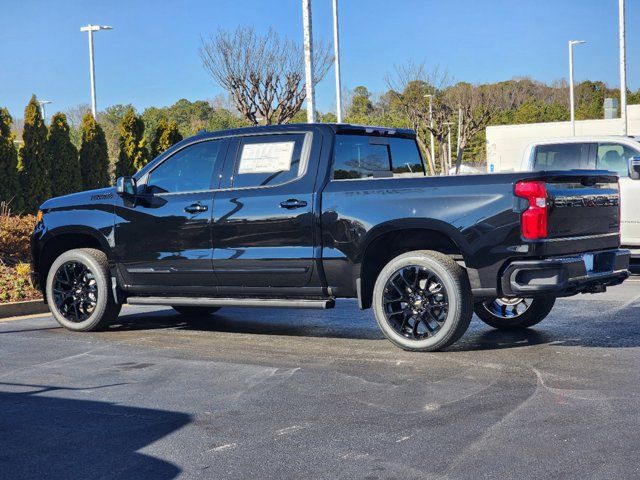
615, 157
267, 160
563, 156
361, 156
188, 170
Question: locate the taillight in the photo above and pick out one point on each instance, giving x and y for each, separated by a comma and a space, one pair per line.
534, 219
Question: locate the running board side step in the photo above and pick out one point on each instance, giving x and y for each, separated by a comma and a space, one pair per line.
232, 302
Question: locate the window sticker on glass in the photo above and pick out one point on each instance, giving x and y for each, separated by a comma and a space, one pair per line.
266, 157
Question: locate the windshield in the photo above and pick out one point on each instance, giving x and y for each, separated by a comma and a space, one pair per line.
615, 157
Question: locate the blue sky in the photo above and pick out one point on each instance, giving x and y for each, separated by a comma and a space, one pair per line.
151, 56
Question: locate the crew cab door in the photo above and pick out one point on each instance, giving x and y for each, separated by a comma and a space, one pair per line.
264, 214
615, 157
164, 237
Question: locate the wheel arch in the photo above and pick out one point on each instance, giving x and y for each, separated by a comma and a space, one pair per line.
55, 242
396, 237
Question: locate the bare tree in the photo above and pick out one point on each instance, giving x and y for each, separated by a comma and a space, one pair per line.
474, 111
263, 74
76, 114
409, 85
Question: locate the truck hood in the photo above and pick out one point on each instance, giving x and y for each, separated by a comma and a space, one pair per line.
88, 197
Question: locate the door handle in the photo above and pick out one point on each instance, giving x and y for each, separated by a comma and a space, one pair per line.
293, 203
196, 208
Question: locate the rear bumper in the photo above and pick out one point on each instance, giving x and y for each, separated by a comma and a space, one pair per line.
562, 276
635, 252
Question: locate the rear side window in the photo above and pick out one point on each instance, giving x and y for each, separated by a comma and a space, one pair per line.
268, 160
361, 156
566, 156
615, 157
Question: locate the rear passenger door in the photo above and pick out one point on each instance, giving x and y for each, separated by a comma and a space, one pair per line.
264, 228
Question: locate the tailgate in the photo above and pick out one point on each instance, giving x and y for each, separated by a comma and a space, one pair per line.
582, 204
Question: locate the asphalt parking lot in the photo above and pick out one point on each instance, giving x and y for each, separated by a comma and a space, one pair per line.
306, 394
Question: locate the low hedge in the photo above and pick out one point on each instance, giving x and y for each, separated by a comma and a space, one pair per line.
14, 238
15, 284
14, 257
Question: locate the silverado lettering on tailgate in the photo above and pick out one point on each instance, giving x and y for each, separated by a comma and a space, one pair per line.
587, 201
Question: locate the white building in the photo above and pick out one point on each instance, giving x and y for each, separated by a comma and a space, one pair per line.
506, 143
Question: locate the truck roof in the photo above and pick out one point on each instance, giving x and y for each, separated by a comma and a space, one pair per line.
583, 139
345, 128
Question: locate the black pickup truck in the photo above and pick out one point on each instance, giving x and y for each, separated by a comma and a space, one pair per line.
300, 215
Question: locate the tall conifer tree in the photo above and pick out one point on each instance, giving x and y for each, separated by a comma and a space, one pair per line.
34, 169
94, 157
133, 150
63, 158
165, 135
9, 186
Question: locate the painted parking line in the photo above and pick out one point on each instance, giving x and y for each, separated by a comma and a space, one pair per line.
25, 317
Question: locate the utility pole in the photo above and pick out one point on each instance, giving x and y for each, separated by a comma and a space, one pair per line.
42, 104
90, 29
336, 57
432, 145
571, 97
458, 138
450, 161
623, 69
308, 60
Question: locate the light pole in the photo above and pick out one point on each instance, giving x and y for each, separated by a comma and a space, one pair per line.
571, 99
308, 59
433, 143
93, 28
42, 104
623, 69
336, 55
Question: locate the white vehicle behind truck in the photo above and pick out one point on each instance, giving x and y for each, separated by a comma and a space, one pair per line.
614, 153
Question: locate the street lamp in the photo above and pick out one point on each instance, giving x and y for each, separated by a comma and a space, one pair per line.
93, 28
623, 68
308, 60
433, 144
336, 54
571, 99
42, 104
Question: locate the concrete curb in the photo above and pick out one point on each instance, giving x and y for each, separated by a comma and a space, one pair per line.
18, 309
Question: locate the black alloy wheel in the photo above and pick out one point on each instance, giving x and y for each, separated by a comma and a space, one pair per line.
514, 313
507, 307
75, 291
415, 302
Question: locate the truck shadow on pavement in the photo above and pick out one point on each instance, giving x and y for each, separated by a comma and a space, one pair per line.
610, 328
53, 437
257, 322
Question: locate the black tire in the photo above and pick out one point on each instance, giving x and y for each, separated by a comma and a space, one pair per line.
508, 314
195, 311
439, 300
84, 301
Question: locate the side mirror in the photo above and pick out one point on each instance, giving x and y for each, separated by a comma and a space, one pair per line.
126, 186
634, 168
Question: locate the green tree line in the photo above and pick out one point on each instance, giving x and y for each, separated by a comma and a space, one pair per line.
48, 162
77, 152
518, 101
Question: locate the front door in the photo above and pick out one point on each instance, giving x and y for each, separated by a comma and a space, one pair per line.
615, 156
263, 215
164, 239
